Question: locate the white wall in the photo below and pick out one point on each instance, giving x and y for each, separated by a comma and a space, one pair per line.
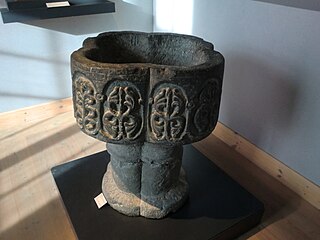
34, 57
271, 91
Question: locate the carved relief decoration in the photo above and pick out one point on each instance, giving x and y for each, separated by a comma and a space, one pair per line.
123, 113
207, 112
86, 106
168, 118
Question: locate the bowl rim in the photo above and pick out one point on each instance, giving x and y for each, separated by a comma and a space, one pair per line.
79, 56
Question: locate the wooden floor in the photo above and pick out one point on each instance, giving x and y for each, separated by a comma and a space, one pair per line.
30, 206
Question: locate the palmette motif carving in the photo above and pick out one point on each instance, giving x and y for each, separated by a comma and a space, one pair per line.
122, 118
86, 106
208, 107
168, 118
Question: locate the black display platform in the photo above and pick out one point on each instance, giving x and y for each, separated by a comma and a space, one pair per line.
217, 208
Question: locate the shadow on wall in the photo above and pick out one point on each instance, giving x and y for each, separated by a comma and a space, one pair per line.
260, 100
33, 58
26, 86
62, 81
22, 86
27, 96
80, 25
307, 4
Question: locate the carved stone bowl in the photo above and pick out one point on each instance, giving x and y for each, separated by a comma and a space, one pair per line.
146, 94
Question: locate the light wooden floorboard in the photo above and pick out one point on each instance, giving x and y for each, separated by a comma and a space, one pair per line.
31, 208
287, 176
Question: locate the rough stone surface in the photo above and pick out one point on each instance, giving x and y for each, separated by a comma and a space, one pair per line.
145, 180
146, 94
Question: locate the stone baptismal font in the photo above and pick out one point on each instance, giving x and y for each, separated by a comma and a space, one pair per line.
146, 95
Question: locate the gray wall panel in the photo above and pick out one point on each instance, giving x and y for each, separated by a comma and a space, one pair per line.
271, 92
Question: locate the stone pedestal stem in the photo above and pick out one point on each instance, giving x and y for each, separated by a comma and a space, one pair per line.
145, 179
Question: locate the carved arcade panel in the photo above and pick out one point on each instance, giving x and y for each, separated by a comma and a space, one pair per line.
168, 115
205, 116
86, 106
123, 112
117, 113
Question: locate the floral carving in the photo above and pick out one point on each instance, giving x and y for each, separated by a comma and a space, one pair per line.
86, 106
168, 114
207, 111
122, 118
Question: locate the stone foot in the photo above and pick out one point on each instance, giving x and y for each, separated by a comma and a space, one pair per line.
147, 206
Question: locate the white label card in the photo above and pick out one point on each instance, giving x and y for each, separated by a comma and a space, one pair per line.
100, 200
58, 4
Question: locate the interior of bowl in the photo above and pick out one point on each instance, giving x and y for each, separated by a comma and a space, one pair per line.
162, 49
